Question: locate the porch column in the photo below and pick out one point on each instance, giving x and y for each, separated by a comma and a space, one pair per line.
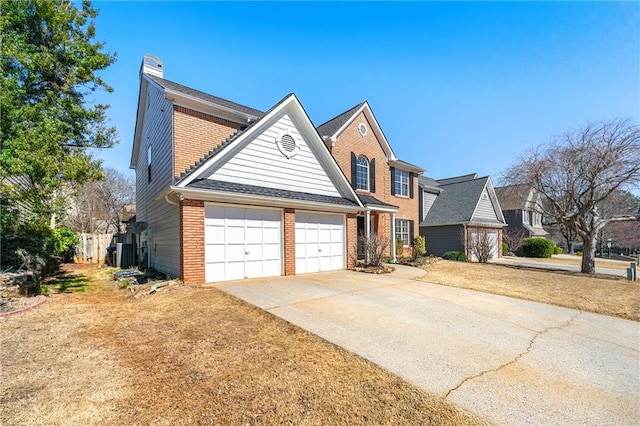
393, 237
367, 233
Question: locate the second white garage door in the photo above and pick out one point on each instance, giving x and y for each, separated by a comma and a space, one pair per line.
242, 243
319, 242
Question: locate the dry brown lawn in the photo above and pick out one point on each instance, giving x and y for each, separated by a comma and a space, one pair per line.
609, 296
577, 261
189, 355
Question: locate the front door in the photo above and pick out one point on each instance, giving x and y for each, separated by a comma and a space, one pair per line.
361, 234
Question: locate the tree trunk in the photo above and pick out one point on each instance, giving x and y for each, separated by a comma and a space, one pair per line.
589, 254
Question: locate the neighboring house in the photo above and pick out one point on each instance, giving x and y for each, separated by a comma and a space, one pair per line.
454, 213
521, 208
386, 186
227, 192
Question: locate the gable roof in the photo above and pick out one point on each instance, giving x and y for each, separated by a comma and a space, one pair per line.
457, 201
217, 156
334, 127
514, 197
171, 86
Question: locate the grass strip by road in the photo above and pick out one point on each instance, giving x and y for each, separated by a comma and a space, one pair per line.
616, 297
188, 355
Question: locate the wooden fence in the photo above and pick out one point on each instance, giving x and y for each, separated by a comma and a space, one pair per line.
92, 248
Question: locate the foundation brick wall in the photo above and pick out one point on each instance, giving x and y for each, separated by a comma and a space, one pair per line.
195, 134
352, 141
192, 241
289, 242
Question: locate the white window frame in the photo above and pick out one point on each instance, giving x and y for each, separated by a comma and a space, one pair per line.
359, 167
401, 183
402, 231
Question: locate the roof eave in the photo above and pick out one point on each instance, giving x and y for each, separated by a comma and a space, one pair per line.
248, 199
194, 102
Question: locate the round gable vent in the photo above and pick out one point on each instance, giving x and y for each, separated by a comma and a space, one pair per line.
362, 129
287, 144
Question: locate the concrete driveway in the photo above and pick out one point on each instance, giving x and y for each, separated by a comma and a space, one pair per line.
507, 360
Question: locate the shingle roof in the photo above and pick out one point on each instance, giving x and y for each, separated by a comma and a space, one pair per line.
457, 179
429, 183
408, 165
167, 84
513, 197
238, 188
369, 200
457, 201
331, 127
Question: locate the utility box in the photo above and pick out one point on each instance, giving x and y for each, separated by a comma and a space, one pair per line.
125, 255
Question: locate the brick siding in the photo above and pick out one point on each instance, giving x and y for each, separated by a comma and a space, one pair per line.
289, 242
192, 241
350, 140
195, 134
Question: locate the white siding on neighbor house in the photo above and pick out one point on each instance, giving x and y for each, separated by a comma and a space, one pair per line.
261, 163
427, 201
485, 210
163, 232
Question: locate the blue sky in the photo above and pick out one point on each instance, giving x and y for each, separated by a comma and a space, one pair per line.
456, 87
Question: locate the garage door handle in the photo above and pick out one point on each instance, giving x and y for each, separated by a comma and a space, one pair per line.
246, 252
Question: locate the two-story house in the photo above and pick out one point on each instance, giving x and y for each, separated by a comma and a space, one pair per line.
225, 191
386, 186
521, 208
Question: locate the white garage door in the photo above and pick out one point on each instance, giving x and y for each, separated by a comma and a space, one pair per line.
242, 243
319, 242
477, 238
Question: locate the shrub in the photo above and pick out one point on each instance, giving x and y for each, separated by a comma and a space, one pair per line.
419, 247
62, 243
557, 250
578, 253
537, 247
505, 249
455, 255
399, 247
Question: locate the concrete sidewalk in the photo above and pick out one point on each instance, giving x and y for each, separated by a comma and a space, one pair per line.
509, 361
541, 264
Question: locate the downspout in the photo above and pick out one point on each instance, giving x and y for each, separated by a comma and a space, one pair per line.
465, 238
173, 203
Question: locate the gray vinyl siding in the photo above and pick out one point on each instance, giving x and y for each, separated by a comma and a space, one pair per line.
162, 218
485, 209
427, 201
441, 239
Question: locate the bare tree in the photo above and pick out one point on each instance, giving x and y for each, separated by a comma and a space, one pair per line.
578, 173
481, 245
513, 237
98, 206
375, 249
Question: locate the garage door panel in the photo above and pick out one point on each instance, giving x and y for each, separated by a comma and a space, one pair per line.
271, 252
214, 252
254, 235
234, 271
271, 234
336, 249
214, 233
213, 270
271, 267
319, 242
242, 242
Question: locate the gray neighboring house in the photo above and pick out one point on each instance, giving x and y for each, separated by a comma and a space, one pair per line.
521, 209
454, 211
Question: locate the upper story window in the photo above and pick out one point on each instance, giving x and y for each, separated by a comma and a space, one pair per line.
401, 183
362, 173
